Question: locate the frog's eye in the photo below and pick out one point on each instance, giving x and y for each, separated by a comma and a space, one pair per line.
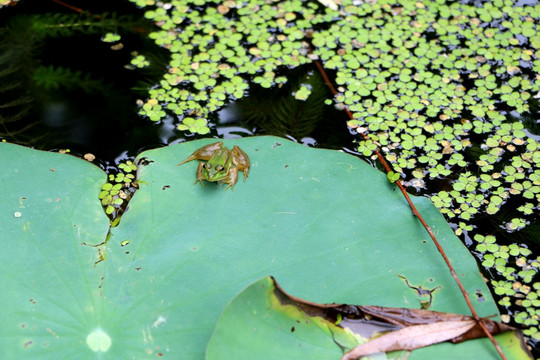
220, 168
207, 166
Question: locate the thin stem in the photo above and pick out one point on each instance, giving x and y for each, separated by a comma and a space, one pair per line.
74, 8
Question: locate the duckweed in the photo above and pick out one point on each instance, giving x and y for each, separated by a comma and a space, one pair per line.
117, 191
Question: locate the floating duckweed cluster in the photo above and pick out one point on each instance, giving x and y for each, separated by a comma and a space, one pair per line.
110, 37
194, 125
139, 61
439, 87
219, 47
518, 271
490, 188
117, 191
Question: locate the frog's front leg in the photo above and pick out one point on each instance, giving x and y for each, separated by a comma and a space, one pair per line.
200, 177
204, 153
241, 160
231, 179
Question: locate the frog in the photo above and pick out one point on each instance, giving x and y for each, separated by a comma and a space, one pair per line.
222, 165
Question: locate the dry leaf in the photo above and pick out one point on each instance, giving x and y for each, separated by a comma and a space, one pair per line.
415, 328
407, 317
412, 337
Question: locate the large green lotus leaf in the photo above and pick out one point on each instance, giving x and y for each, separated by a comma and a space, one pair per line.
259, 324
329, 227
50, 291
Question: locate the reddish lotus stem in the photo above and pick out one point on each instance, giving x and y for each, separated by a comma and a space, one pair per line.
80, 11
74, 8
383, 162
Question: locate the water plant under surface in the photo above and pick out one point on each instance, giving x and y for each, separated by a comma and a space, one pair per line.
66, 81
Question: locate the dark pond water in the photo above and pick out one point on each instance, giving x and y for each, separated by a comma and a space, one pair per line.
71, 90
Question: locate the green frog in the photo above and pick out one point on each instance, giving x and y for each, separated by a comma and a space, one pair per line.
222, 164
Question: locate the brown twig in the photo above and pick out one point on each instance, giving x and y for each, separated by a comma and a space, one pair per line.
80, 11
74, 8
383, 162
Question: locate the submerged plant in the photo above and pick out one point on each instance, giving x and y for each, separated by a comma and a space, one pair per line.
52, 71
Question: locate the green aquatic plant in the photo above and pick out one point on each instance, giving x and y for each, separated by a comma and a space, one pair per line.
119, 188
35, 76
53, 78
139, 61
297, 108
194, 125
517, 287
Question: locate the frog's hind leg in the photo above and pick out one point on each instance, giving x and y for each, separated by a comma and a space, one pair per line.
232, 178
241, 160
199, 174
